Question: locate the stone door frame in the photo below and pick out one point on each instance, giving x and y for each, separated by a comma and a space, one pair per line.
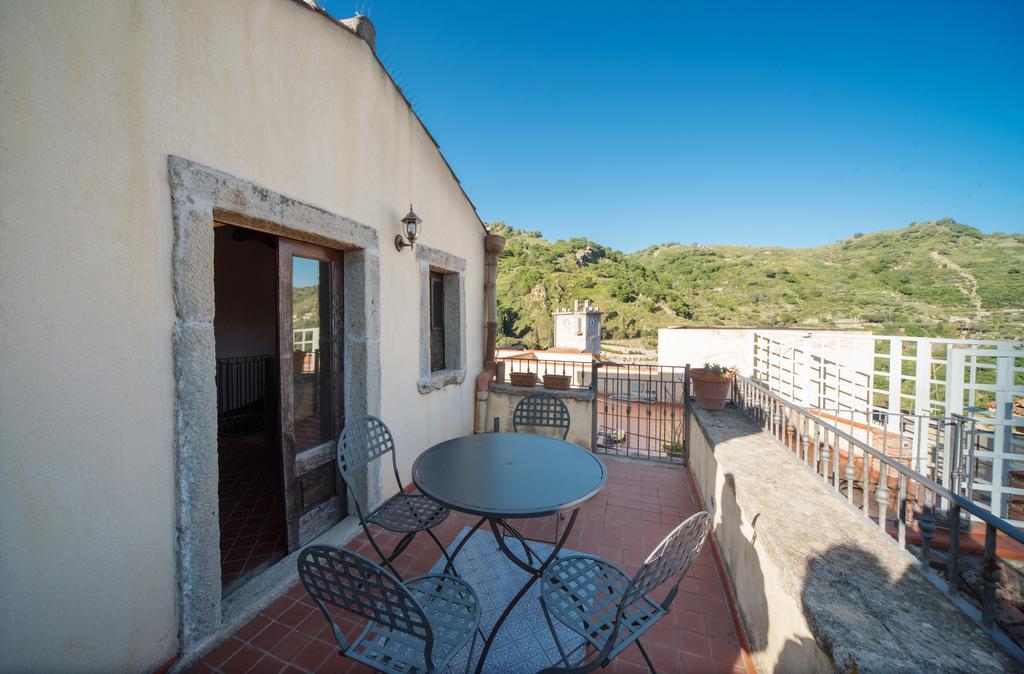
199, 195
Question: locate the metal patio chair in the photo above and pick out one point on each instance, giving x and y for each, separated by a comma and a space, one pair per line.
541, 410
367, 438
610, 610
416, 626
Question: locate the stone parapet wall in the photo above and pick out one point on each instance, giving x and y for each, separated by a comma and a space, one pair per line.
503, 398
819, 587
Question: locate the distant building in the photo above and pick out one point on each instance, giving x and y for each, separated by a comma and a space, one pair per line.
578, 328
577, 337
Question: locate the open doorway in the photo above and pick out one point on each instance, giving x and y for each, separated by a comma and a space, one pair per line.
253, 533
279, 396
203, 200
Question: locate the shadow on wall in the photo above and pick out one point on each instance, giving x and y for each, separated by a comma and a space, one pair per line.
839, 606
863, 617
747, 575
867, 618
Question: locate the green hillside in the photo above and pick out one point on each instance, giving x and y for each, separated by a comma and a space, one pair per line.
931, 279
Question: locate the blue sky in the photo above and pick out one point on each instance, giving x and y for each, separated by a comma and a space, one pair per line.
776, 123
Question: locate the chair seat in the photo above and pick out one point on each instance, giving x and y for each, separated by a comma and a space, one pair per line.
408, 512
451, 607
583, 593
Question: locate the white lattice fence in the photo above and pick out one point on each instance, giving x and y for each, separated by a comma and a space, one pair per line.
909, 397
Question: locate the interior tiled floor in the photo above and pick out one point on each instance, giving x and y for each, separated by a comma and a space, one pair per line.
252, 525
640, 504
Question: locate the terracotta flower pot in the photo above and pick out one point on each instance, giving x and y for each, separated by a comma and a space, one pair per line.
523, 378
710, 389
559, 382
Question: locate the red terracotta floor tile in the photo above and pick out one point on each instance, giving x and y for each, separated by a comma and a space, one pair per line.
623, 666
311, 657
295, 614
697, 663
243, 660
664, 659
694, 643
278, 606
223, 652
252, 628
268, 665
292, 645
640, 505
270, 637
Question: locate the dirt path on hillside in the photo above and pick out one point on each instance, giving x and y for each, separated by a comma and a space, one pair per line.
972, 290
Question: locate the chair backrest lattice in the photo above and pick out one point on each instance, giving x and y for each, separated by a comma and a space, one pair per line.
672, 557
541, 410
362, 441
606, 605
351, 582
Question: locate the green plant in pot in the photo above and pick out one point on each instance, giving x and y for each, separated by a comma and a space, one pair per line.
674, 448
711, 385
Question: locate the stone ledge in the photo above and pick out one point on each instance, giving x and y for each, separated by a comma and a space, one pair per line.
818, 585
571, 394
435, 381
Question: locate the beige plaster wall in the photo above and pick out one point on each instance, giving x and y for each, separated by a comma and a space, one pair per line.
93, 99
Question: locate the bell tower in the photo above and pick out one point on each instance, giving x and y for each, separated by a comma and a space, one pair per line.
578, 328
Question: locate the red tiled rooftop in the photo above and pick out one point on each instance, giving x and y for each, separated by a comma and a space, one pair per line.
640, 504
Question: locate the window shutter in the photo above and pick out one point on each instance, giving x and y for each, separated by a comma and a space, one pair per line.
436, 322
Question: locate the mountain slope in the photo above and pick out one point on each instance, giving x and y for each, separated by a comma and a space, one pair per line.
937, 278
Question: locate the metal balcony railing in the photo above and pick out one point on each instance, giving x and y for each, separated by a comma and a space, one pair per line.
900, 500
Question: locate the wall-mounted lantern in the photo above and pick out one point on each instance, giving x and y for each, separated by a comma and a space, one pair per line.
412, 223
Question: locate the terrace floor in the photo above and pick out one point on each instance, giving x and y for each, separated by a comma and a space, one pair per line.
640, 504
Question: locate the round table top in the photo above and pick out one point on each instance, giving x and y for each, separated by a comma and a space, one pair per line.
504, 475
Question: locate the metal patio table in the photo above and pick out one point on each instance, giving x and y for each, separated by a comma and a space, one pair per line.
502, 476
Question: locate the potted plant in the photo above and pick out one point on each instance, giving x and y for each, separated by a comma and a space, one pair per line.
711, 385
528, 379
559, 382
673, 449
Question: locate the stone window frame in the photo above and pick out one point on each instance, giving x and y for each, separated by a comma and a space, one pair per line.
199, 195
454, 270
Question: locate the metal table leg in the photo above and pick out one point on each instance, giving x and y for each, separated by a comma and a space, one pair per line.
450, 565
535, 573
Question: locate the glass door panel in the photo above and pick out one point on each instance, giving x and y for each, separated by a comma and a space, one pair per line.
309, 334
312, 408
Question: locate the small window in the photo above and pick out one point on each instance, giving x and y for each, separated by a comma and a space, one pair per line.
442, 337
436, 322
579, 325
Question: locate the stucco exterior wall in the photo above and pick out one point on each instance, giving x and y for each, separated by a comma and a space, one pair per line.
95, 97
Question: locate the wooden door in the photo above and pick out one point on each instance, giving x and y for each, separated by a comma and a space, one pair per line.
311, 394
